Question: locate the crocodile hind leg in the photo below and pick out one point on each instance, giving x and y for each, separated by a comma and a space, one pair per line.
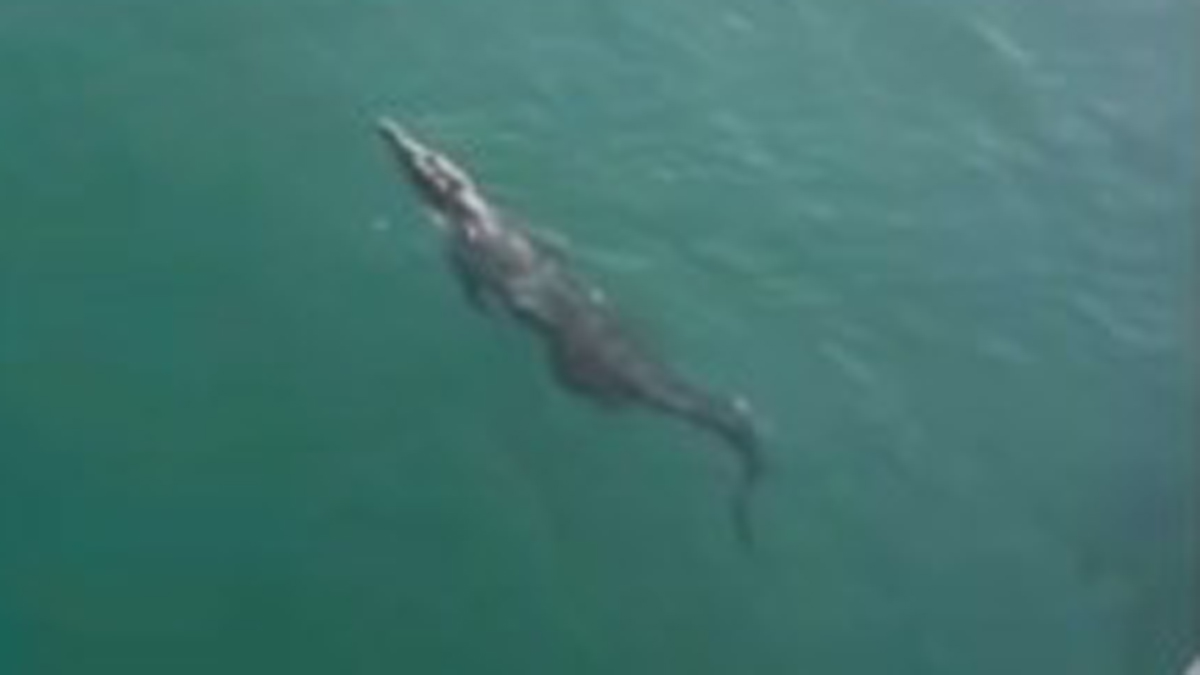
584, 375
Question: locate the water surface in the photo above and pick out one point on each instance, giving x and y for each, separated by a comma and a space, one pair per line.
247, 424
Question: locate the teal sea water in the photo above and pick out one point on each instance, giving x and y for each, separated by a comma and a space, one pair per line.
248, 425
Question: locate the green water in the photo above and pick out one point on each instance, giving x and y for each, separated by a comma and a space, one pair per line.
248, 425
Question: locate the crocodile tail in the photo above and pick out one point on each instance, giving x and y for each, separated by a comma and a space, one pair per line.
732, 422
730, 419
